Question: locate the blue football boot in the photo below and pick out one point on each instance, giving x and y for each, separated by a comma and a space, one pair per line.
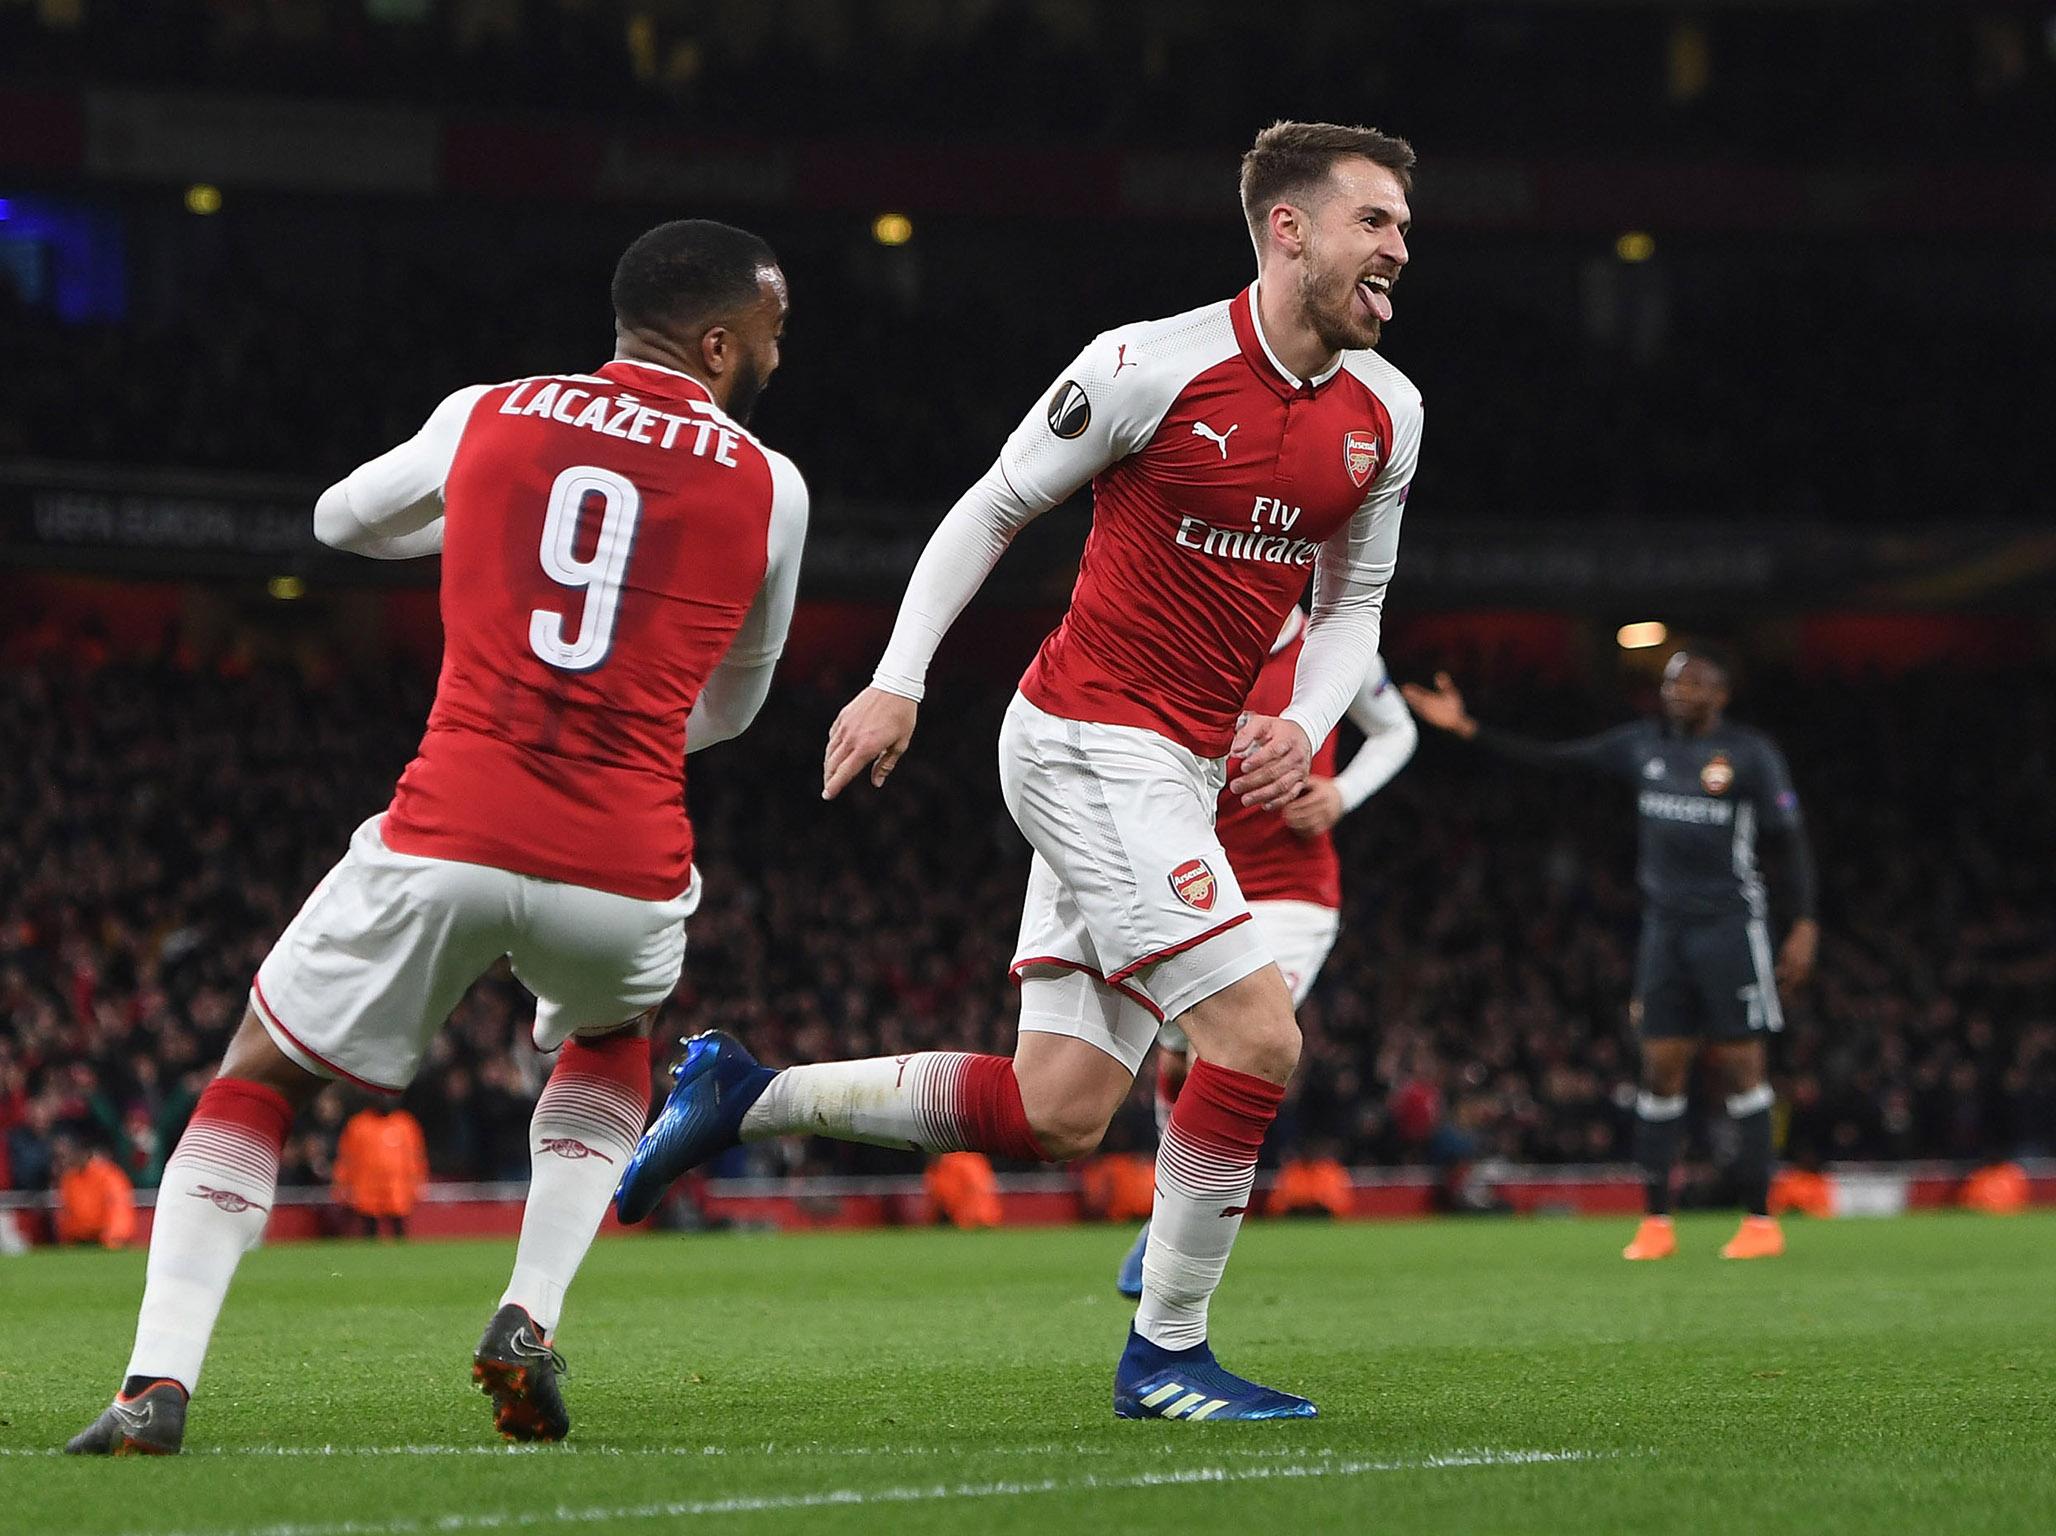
713, 1087
1129, 1281
1155, 1383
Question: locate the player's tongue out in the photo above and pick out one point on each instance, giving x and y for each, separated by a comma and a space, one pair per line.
1373, 297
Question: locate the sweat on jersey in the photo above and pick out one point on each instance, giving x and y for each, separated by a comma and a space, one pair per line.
1702, 801
1219, 481
1271, 861
620, 559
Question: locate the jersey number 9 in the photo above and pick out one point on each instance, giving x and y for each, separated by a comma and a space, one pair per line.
598, 576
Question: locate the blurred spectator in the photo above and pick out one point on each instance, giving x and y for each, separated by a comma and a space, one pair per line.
962, 1189
1118, 1186
95, 1201
381, 1167
1315, 1185
165, 819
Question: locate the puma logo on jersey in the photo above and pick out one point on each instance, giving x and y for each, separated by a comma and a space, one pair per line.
1218, 439
1121, 359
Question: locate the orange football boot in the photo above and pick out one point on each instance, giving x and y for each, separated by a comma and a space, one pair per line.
1759, 1237
1656, 1238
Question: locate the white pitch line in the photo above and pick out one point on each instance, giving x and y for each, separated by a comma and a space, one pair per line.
767, 1448
844, 1498
780, 1448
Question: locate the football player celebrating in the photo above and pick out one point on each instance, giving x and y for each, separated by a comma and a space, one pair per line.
1229, 450
620, 557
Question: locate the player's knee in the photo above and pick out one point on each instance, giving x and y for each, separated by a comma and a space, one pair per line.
1065, 1134
1271, 1049
1263, 1045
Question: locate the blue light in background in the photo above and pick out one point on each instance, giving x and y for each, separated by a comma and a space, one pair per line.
65, 254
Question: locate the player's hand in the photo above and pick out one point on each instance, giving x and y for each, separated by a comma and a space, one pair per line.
1443, 708
1796, 956
1276, 757
1315, 809
871, 732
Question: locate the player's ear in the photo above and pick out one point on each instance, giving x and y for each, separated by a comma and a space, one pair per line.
1287, 228
717, 349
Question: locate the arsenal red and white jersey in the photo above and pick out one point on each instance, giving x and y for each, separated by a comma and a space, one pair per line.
1217, 480
1270, 860
607, 538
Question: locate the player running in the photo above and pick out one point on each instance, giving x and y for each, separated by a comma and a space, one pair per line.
619, 563
1703, 976
1286, 862
1229, 449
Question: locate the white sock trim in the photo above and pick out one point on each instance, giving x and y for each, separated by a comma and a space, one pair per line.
1649, 1106
1753, 1101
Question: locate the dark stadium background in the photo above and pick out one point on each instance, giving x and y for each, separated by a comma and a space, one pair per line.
1733, 317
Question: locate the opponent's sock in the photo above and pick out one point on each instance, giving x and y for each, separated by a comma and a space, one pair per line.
936, 1101
1659, 1132
1751, 1113
217, 1192
585, 1126
1204, 1172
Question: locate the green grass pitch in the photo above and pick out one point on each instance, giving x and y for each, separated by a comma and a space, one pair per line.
1511, 1376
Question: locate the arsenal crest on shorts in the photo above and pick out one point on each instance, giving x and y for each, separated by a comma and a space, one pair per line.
1718, 774
1360, 455
1193, 883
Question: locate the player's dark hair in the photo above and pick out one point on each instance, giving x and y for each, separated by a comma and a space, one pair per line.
684, 276
1291, 159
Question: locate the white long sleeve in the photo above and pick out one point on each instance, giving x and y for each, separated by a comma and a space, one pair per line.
740, 682
960, 554
391, 507
1350, 576
1390, 737
1091, 418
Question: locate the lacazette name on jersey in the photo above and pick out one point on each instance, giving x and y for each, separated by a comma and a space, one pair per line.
622, 416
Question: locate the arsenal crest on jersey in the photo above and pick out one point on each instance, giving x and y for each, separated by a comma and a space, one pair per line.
1718, 776
1360, 455
1193, 883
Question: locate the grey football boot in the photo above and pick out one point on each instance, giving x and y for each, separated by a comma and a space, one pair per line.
151, 1423
516, 1367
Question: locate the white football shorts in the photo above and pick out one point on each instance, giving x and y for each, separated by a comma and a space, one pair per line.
1300, 934
1128, 884
387, 944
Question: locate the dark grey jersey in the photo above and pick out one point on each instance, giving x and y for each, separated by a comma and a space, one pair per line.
1703, 801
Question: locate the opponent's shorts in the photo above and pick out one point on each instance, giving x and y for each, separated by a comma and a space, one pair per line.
1300, 934
1128, 884
387, 944
1705, 977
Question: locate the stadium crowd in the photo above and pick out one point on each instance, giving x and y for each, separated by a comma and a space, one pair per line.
1752, 80
1535, 408
165, 818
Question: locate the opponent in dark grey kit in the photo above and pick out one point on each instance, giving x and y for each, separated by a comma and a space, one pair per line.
1707, 789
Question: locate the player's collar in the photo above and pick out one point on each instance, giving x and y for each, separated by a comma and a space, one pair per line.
636, 362
1249, 331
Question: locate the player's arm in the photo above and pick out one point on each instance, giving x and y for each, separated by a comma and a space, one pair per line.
1088, 421
1784, 831
1610, 752
737, 687
391, 507
1390, 737
1351, 572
